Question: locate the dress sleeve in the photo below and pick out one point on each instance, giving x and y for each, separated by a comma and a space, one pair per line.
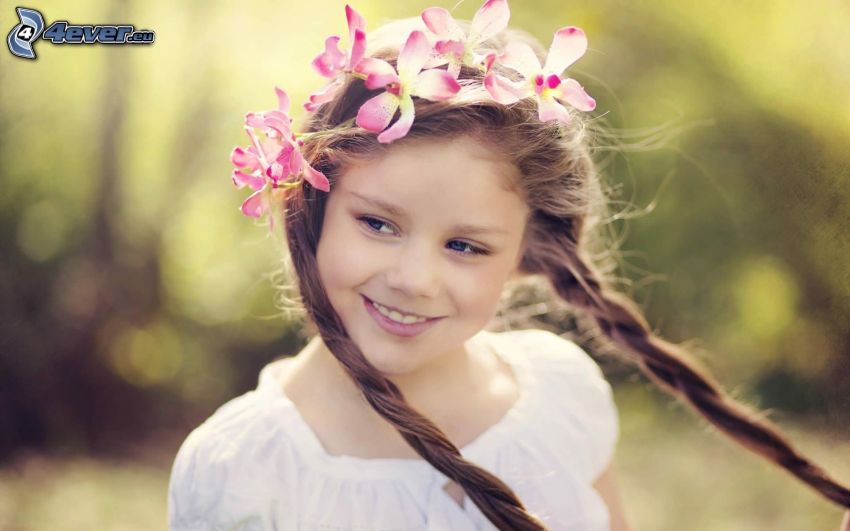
205, 477
235, 471
576, 386
188, 500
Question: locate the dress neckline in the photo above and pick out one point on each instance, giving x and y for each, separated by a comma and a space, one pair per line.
395, 467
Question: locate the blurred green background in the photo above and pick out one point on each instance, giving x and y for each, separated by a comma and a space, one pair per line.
135, 298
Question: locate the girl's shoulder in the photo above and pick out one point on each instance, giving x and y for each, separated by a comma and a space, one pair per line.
573, 401
230, 464
545, 351
237, 420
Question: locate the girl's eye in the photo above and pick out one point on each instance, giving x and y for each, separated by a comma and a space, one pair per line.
374, 225
372, 222
472, 249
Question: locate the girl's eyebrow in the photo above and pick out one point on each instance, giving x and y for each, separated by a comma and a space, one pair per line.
398, 211
378, 203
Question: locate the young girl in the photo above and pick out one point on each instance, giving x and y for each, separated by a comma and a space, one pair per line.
407, 410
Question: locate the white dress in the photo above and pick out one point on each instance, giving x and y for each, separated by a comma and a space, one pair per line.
256, 464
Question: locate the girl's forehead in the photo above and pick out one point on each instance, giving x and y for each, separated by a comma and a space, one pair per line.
459, 165
455, 148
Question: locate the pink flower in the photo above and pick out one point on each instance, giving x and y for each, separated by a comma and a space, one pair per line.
333, 62
410, 80
568, 45
457, 48
326, 94
273, 162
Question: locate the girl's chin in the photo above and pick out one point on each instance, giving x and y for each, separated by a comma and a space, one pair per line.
393, 365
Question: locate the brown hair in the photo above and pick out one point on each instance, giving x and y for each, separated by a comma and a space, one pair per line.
560, 185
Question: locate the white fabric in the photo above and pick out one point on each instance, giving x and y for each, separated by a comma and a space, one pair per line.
255, 463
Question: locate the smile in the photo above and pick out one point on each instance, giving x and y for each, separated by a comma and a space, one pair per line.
397, 323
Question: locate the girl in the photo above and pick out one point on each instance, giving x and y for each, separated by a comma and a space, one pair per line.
405, 410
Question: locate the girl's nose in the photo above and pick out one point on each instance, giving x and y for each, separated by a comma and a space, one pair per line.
415, 273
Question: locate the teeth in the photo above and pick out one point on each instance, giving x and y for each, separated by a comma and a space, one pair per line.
395, 316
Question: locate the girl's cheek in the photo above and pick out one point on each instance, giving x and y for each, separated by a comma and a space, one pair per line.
352, 257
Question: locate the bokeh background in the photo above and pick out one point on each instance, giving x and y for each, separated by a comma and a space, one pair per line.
135, 298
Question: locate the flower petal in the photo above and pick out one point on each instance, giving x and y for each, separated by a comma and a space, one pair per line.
325, 95
358, 49
375, 114
435, 59
295, 160
520, 57
242, 158
402, 125
440, 21
265, 148
279, 122
275, 171
435, 85
331, 60
271, 148
241, 180
282, 100
456, 48
549, 109
253, 119
316, 178
490, 19
573, 93
255, 205
287, 162
378, 72
503, 90
568, 45
355, 21
413, 55
490, 60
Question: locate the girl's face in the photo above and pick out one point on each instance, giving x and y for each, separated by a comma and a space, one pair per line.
403, 231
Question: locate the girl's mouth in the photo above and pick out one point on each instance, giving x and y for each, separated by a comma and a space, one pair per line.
394, 327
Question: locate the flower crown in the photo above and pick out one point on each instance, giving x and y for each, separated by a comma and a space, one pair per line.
274, 163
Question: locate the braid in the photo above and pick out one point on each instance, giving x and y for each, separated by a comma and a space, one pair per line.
666, 364
493, 497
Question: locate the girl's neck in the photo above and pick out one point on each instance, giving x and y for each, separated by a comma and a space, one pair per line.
436, 389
